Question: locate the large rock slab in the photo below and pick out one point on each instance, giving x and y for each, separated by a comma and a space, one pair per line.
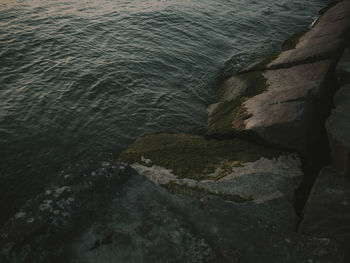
327, 212
325, 40
284, 97
263, 188
287, 112
257, 181
264, 182
338, 129
101, 211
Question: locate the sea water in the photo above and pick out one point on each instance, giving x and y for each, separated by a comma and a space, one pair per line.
80, 77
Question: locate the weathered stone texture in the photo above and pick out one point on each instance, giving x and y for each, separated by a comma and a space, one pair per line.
288, 111
286, 114
261, 183
327, 212
116, 215
338, 127
188, 198
326, 39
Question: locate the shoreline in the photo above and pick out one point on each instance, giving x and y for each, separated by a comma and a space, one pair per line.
244, 183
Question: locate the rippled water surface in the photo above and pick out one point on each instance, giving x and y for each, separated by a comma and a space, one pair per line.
82, 77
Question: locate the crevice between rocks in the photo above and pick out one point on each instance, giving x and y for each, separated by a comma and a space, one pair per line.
319, 150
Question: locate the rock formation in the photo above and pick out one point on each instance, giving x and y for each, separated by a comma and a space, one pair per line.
103, 211
227, 196
327, 212
285, 96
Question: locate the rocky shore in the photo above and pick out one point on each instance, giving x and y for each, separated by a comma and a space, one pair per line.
269, 182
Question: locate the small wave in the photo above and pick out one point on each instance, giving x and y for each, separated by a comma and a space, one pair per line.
79, 76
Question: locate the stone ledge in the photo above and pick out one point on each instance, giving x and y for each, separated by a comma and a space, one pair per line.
285, 114
256, 177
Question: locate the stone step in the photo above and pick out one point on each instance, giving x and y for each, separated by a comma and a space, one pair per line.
260, 179
282, 107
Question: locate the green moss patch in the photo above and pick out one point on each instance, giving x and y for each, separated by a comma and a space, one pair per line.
221, 119
191, 156
226, 168
228, 116
200, 192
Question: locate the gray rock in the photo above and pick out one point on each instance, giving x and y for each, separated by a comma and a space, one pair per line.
326, 39
287, 96
116, 215
263, 186
327, 213
338, 127
261, 179
288, 113
285, 114
232, 169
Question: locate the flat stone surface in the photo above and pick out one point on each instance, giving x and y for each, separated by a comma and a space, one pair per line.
338, 129
287, 110
264, 186
261, 179
282, 115
326, 39
258, 180
227, 167
286, 113
327, 213
102, 211
265, 183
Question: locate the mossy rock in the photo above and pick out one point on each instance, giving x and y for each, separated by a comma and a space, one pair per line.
200, 192
192, 156
232, 88
228, 116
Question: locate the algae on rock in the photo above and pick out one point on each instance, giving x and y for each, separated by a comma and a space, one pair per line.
228, 116
192, 156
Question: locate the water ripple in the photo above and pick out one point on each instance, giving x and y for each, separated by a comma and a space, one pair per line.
79, 77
